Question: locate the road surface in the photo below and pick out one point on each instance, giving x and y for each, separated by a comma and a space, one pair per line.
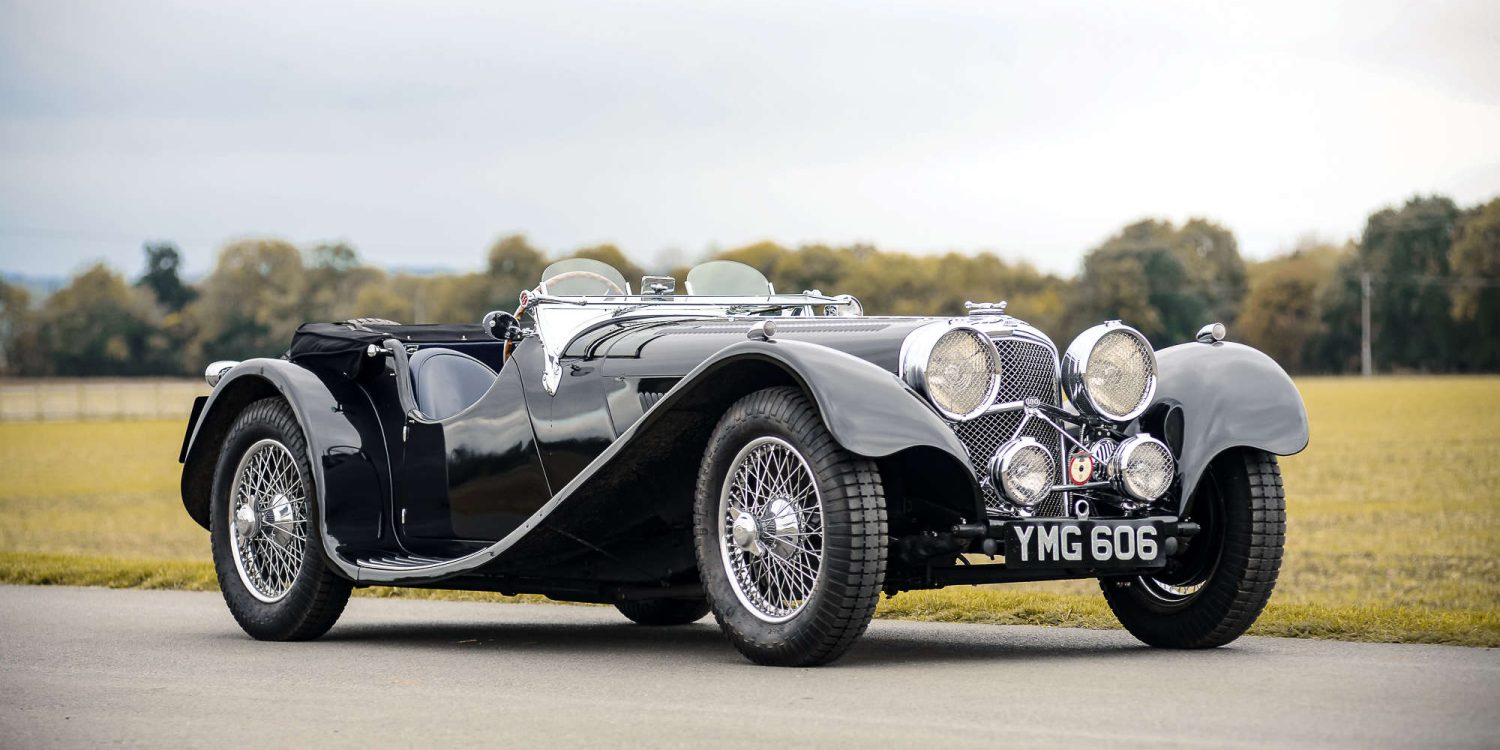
88, 667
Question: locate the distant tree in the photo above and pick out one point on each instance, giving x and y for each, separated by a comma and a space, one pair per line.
895, 283
817, 267
1475, 264
1406, 250
763, 256
384, 300
957, 278
511, 265
616, 258
1281, 314
334, 278
1212, 258
162, 276
513, 261
99, 325
461, 298
1163, 280
18, 355
251, 303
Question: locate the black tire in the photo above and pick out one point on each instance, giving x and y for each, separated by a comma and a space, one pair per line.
852, 535
663, 612
1226, 574
316, 595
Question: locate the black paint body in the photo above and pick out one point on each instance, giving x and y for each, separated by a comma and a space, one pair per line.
587, 494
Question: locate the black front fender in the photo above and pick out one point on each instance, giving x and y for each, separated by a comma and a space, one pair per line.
344, 445
1214, 397
868, 410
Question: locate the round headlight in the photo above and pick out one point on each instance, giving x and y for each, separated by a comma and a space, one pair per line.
958, 368
1142, 468
1110, 371
1024, 471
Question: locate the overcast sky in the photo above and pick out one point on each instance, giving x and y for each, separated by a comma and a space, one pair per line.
420, 132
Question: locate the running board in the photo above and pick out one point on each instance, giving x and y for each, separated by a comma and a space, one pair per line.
400, 562
418, 569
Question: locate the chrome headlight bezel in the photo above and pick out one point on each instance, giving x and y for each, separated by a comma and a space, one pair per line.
1075, 365
916, 354
1120, 463
1001, 463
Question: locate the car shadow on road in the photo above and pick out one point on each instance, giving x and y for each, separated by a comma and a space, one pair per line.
888, 646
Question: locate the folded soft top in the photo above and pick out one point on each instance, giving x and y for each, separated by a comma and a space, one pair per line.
342, 346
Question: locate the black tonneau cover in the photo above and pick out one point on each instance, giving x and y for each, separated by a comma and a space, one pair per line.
342, 346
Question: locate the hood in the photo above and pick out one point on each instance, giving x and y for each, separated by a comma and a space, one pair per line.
670, 348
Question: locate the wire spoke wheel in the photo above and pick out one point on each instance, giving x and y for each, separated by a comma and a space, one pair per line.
268, 508
789, 531
268, 555
771, 529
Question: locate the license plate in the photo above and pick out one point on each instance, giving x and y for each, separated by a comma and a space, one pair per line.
1084, 544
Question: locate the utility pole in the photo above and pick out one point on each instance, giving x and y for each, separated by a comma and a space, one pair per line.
1366, 366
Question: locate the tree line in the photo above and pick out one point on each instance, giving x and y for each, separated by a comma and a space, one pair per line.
1432, 269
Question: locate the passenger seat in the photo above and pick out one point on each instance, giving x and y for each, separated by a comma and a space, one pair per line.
445, 382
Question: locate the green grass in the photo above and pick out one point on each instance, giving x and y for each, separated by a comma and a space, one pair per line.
1393, 516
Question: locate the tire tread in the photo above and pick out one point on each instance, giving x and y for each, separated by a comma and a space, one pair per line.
318, 596
854, 556
1230, 602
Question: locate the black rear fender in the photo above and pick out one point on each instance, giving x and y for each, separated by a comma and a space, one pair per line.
345, 448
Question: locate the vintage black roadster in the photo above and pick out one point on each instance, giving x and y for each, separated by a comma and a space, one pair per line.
777, 459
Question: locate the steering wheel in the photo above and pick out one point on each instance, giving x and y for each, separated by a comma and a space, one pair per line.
610, 286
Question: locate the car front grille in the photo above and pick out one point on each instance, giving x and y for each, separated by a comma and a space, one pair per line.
1028, 370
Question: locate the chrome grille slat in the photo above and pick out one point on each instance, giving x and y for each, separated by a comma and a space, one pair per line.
1028, 370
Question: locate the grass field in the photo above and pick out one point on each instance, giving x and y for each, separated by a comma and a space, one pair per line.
1393, 515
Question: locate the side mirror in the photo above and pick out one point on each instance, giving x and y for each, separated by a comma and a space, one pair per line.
503, 326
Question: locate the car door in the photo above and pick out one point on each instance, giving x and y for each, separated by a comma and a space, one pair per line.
476, 475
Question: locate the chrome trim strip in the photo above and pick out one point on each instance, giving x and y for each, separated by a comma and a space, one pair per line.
691, 300
1005, 406
1084, 486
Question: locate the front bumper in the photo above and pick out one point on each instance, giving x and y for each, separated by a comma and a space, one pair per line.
1032, 549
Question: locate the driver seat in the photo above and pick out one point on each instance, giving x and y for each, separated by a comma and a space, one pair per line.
445, 382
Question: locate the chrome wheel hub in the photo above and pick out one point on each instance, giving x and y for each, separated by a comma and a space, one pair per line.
268, 505
783, 525
771, 529
245, 522
746, 534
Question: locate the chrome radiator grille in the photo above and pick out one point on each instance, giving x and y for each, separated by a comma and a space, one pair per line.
1028, 370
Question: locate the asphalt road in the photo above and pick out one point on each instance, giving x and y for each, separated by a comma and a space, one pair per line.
87, 667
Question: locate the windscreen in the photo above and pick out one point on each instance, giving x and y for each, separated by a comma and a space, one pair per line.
578, 277
727, 278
